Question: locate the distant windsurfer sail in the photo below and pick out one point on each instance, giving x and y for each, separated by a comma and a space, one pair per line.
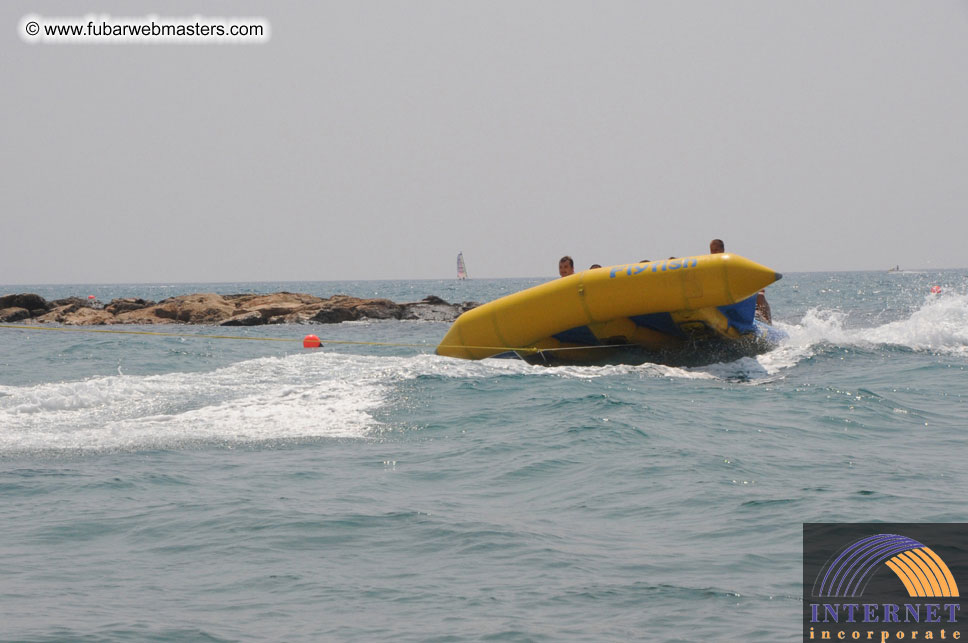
461, 270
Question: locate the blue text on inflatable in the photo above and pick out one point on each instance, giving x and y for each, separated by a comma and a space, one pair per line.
653, 266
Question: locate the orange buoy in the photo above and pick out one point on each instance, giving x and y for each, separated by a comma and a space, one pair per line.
91, 297
936, 290
311, 341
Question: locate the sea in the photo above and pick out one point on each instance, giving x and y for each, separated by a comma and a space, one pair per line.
205, 485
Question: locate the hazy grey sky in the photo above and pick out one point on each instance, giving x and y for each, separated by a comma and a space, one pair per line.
372, 140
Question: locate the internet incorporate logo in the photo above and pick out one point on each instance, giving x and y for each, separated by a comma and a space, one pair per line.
922, 571
885, 584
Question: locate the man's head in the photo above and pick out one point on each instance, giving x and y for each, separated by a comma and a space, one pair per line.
716, 246
566, 266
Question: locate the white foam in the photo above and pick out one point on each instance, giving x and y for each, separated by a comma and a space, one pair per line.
315, 395
312, 395
495, 367
939, 325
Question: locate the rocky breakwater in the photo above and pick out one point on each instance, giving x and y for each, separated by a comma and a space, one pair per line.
224, 310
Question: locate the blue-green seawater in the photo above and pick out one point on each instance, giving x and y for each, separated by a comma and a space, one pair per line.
159, 488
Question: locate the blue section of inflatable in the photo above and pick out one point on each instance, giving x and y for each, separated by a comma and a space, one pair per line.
741, 315
661, 322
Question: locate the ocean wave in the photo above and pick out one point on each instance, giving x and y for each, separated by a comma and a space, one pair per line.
316, 395
939, 325
305, 396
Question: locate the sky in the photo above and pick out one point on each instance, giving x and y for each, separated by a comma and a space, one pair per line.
376, 140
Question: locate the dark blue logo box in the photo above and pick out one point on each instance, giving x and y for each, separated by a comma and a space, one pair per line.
884, 581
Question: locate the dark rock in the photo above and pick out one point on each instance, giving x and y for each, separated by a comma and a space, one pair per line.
379, 309
332, 315
253, 318
68, 301
13, 314
435, 309
29, 301
429, 312
127, 304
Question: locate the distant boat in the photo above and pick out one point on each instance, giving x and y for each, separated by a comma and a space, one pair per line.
895, 269
461, 269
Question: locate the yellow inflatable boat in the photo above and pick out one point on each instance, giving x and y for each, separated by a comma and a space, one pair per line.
655, 306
